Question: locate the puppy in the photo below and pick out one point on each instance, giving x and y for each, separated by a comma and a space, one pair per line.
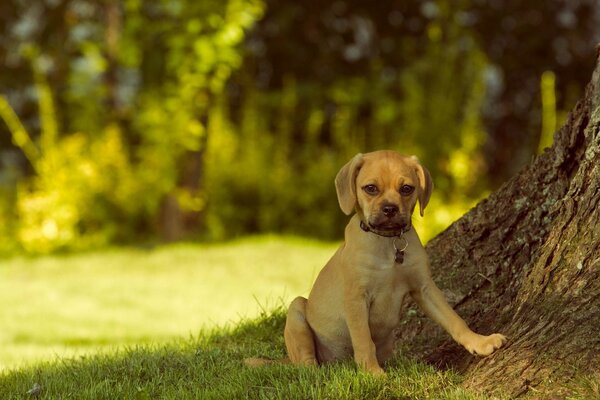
354, 305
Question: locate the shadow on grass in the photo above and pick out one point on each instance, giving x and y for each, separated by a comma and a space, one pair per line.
210, 366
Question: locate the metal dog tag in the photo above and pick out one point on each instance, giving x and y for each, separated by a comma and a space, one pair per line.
399, 257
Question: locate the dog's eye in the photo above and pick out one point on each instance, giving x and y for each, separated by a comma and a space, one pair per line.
406, 190
371, 189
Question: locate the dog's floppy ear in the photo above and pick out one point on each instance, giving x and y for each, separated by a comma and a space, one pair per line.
345, 184
425, 185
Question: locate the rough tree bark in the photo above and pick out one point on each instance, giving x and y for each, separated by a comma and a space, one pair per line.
526, 262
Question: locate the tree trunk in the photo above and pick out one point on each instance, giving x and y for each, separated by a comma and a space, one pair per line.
177, 221
112, 18
526, 262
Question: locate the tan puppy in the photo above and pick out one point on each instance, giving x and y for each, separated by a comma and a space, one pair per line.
354, 305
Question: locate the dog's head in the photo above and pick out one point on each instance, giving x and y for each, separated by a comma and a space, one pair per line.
383, 187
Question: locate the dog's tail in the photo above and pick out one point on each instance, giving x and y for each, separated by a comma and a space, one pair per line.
259, 362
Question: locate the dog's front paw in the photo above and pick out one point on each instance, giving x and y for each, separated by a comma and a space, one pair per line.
376, 370
370, 365
485, 345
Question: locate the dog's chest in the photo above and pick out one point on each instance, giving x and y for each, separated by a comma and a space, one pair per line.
385, 296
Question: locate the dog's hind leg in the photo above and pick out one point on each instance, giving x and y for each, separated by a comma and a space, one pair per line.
299, 337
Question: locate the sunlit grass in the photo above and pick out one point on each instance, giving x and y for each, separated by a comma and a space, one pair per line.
63, 305
210, 367
165, 323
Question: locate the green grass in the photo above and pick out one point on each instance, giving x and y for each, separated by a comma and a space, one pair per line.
67, 305
210, 367
176, 322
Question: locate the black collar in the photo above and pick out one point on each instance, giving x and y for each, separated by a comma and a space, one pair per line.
367, 228
398, 252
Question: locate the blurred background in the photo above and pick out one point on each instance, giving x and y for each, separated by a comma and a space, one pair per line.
138, 122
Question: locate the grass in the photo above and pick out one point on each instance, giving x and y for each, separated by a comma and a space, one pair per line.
66, 305
210, 367
176, 322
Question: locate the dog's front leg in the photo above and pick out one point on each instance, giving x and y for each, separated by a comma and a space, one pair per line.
434, 304
357, 318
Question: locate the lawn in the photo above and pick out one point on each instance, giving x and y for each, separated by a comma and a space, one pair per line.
176, 322
210, 367
66, 305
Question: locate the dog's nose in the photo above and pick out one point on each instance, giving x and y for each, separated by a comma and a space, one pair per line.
389, 210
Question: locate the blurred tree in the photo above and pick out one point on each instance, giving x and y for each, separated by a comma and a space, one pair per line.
210, 133
350, 76
523, 40
138, 75
323, 81
200, 51
325, 42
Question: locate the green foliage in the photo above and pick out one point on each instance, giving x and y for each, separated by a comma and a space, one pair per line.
7, 219
255, 184
549, 117
202, 118
271, 163
103, 175
81, 183
19, 134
